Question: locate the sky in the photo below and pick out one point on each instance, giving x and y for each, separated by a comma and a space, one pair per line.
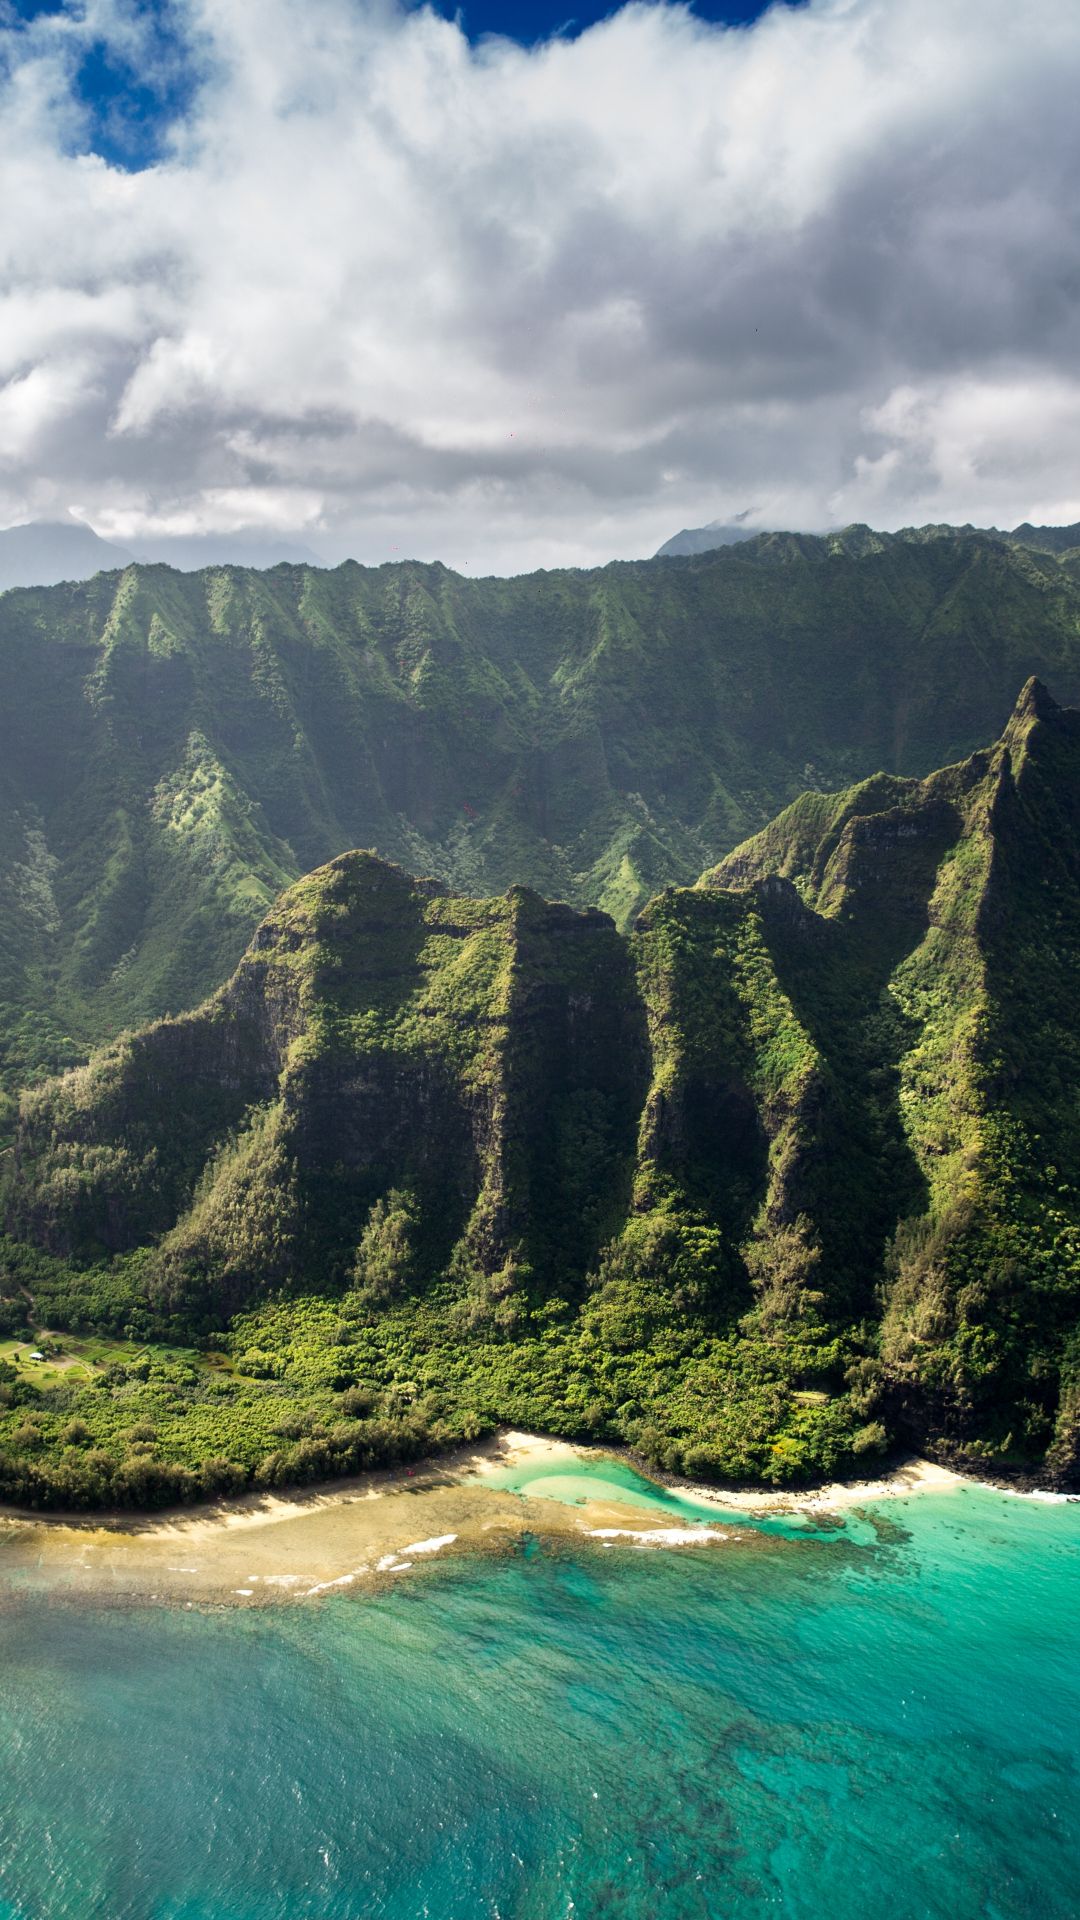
512, 288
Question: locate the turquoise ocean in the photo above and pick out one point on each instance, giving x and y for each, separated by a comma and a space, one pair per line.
874, 1716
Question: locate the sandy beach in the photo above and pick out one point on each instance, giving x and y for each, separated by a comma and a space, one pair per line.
371, 1530
914, 1476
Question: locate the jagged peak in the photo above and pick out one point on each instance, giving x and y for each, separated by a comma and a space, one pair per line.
366, 867
352, 882
833, 844
1034, 709
1035, 702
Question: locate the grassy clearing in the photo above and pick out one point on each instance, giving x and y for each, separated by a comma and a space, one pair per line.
70, 1358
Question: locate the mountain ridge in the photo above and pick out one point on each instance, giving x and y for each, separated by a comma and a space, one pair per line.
786, 1174
1056, 540
174, 748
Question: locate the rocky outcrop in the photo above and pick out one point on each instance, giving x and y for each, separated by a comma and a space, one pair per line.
827, 1096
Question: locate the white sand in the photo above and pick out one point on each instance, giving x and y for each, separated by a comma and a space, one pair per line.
915, 1476
270, 1547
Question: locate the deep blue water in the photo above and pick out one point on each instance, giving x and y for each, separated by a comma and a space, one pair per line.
876, 1721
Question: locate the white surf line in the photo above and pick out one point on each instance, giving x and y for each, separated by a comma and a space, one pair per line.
343, 1580
397, 1563
390, 1563
660, 1536
1032, 1493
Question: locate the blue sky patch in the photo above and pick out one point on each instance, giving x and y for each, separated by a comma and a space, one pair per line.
529, 21
131, 100
132, 96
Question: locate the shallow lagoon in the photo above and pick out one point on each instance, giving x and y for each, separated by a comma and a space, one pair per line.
600, 1477
875, 1713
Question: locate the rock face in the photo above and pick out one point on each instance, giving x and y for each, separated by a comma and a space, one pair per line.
379, 1033
823, 1102
176, 749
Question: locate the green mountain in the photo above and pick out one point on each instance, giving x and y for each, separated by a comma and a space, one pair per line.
1059, 540
174, 748
788, 1172
718, 533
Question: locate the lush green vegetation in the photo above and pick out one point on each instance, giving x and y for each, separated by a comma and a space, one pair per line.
174, 749
788, 1174
307, 1387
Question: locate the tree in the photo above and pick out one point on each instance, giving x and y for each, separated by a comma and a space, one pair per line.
385, 1264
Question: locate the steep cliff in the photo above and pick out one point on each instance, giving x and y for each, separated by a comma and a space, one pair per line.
175, 749
789, 1170
489, 1056
947, 993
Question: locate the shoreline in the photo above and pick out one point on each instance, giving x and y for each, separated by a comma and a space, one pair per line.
913, 1475
366, 1531
508, 1447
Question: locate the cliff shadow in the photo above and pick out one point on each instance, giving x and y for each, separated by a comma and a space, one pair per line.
705, 1142
855, 1173
577, 1077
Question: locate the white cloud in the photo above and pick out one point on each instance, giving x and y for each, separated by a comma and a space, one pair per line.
215, 510
36, 403
979, 443
511, 307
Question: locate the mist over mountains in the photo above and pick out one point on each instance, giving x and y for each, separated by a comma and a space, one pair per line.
43, 553
49, 552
